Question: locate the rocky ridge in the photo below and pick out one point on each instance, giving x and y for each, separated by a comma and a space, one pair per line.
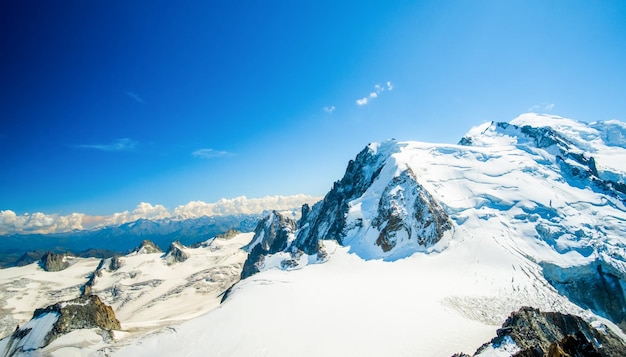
530, 332
47, 324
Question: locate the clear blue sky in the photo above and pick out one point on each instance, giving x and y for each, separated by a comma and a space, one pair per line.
104, 103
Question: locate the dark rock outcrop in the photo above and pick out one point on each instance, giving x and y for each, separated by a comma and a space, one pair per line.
270, 236
555, 334
54, 262
51, 322
175, 253
111, 264
228, 234
80, 313
406, 209
147, 247
327, 218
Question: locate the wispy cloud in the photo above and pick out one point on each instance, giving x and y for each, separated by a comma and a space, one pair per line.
330, 109
378, 89
134, 96
542, 107
210, 153
123, 144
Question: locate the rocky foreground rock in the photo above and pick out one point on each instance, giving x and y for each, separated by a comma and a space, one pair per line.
49, 323
533, 333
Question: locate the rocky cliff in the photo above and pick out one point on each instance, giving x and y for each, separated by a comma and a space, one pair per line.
530, 332
49, 323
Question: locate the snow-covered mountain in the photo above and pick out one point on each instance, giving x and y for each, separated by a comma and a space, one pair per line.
425, 249
147, 290
105, 241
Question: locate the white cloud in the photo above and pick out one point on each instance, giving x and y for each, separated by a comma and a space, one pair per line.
123, 144
378, 89
330, 109
143, 210
11, 223
541, 107
134, 96
242, 205
210, 153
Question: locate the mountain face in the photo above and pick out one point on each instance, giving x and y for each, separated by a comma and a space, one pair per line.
271, 235
530, 332
378, 208
56, 320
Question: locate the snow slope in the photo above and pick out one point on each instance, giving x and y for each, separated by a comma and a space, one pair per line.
23, 289
146, 290
538, 190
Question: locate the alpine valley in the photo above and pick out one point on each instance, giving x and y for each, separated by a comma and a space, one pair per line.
511, 242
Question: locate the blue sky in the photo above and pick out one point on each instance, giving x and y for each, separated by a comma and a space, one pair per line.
108, 104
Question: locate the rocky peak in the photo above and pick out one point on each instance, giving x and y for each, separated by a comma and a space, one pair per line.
272, 235
54, 262
407, 213
228, 234
326, 220
175, 253
49, 323
531, 332
147, 247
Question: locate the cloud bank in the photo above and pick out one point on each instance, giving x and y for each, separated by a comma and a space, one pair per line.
11, 223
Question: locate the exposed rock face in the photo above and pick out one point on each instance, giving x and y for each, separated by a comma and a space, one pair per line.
54, 262
111, 264
403, 215
175, 253
115, 263
407, 211
596, 286
82, 312
270, 236
554, 334
228, 234
47, 324
327, 218
147, 247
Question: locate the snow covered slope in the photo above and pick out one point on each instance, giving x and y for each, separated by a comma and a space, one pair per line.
149, 290
146, 290
431, 246
23, 289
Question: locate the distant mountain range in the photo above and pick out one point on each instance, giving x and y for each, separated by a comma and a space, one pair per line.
20, 249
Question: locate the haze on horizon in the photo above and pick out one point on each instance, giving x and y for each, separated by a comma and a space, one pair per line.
109, 105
